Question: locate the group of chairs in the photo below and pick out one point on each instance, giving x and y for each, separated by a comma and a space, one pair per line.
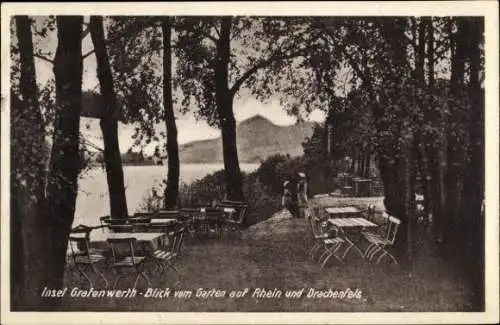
123, 255
329, 240
220, 218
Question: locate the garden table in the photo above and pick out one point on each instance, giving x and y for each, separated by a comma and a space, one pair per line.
339, 212
148, 241
351, 225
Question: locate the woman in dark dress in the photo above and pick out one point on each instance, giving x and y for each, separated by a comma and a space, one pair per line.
302, 194
289, 199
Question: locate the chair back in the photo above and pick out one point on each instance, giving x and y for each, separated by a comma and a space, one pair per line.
241, 213
122, 247
78, 240
139, 219
177, 240
104, 220
117, 221
317, 226
121, 228
370, 212
140, 226
392, 228
167, 214
230, 202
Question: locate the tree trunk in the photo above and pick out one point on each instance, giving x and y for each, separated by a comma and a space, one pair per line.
172, 189
474, 176
366, 173
433, 146
27, 177
430, 53
64, 160
109, 123
224, 100
362, 158
420, 51
456, 149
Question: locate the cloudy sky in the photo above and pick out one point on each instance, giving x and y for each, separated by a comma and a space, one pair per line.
189, 129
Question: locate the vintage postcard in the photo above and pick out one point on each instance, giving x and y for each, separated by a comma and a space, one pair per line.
244, 162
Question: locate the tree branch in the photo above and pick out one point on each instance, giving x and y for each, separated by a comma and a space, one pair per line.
41, 57
92, 145
126, 33
350, 60
234, 89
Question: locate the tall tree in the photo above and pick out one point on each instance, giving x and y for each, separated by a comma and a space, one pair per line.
62, 184
172, 188
474, 182
224, 101
109, 122
28, 156
220, 55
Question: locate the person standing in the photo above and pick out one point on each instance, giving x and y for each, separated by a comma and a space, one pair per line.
302, 194
289, 198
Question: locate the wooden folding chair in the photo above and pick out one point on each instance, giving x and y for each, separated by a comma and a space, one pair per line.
82, 255
234, 224
124, 258
324, 238
380, 244
166, 257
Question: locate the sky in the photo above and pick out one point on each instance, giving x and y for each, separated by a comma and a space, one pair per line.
189, 129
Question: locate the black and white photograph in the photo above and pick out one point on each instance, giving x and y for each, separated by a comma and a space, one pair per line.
242, 160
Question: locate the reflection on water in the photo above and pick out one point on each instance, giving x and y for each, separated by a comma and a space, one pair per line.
93, 199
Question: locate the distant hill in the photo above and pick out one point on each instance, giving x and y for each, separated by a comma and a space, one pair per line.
257, 138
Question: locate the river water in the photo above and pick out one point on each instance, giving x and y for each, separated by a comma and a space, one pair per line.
93, 199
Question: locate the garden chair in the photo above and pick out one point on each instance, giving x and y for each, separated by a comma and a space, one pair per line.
104, 220
324, 238
370, 212
380, 244
168, 256
139, 223
121, 228
167, 214
124, 258
82, 256
187, 216
237, 223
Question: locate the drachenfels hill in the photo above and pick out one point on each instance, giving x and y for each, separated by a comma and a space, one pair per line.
257, 139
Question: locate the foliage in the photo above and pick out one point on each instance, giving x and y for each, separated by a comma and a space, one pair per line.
210, 189
134, 52
267, 56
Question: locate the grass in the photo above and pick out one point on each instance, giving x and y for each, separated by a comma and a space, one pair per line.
272, 254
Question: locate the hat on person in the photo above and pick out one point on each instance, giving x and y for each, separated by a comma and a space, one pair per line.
302, 175
285, 183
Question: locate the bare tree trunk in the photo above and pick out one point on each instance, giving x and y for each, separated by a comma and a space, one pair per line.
225, 109
172, 189
420, 51
433, 145
474, 175
109, 123
28, 176
361, 169
430, 53
366, 172
64, 160
456, 154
